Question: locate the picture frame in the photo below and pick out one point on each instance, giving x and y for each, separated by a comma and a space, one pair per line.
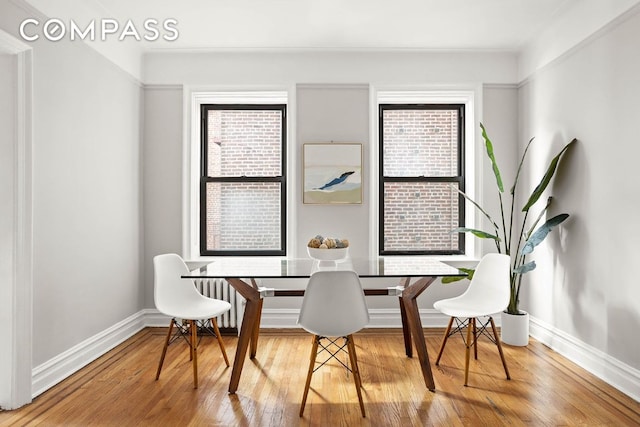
332, 173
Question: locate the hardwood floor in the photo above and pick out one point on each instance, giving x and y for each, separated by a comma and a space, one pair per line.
119, 388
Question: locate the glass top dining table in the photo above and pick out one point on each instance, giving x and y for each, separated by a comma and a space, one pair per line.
414, 275
246, 267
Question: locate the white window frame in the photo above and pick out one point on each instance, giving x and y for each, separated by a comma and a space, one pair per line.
471, 97
193, 99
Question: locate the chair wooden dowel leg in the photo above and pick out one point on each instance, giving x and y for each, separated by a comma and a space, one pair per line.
190, 344
504, 361
444, 339
468, 352
214, 322
475, 340
356, 372
194, 351
312, 362
164, 349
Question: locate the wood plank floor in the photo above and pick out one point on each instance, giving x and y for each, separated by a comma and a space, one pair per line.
119, 388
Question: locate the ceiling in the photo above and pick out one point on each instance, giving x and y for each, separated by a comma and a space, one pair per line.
328, 24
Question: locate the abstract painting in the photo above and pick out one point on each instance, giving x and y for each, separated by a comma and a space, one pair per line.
332, 173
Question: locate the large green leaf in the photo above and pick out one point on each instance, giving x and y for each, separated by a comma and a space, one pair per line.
468, 274
540, 215
525, 268
537, 192
494, 164
478, 233
541, 233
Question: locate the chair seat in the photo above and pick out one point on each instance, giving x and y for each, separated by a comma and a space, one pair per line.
462, 307
198, 309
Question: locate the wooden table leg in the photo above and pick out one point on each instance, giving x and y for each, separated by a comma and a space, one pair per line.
256, 332
406, 331
250, 319
409, 296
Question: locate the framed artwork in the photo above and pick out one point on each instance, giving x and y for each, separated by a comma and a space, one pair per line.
332, 173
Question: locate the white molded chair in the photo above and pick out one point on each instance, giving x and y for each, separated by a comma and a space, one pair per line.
333, 306
487, 294
179, 299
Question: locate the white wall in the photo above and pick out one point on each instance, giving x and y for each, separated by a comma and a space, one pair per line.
585, 288
338, 113
162, 191
289, 68
500, 119
86, 192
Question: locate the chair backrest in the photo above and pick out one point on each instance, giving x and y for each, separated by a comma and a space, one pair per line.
170, 290
489, 287
333, 304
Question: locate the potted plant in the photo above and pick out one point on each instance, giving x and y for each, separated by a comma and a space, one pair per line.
517, 244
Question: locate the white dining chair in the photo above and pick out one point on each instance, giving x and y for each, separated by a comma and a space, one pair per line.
333, 309
179, 299
487, 294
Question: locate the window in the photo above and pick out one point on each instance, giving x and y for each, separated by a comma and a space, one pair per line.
243, 179
421, 158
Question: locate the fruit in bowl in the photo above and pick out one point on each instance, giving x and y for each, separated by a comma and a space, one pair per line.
320, 242
327, 248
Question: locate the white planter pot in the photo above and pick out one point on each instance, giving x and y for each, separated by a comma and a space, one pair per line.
515, 328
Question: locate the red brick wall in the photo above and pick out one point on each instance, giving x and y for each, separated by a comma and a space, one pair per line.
244, 216
420, 216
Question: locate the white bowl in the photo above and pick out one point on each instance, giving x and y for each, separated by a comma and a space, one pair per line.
333, 254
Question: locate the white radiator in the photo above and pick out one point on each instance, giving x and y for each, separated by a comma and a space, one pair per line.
222, 290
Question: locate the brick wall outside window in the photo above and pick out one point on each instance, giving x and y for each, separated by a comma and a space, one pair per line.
242, 215
418, 216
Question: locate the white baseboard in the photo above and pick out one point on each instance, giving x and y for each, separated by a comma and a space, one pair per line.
614, 372
62, 366
619, 375
281, 318
379, 318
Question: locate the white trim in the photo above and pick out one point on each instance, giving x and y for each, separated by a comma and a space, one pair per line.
282, 318
609, 369
18, 332
379, 318
23, 285
11, 45
70, 361
193, 97
471, 96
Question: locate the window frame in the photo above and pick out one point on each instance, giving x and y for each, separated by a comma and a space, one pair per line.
205, 179
460, 179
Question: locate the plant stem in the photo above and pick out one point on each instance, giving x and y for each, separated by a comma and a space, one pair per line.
508, 242
516, 308
524, 222
504, 229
